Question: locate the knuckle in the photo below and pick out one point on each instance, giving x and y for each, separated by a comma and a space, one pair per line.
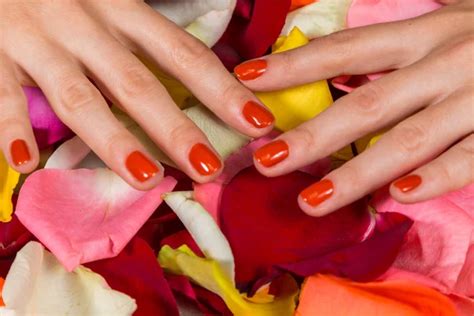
189, 52
137, 82
467, 147
9, 94
112, 142
75, 95
366, 101
286, 62
408, 137
230, 91
343, 43
305, 137
10, 122
183, 132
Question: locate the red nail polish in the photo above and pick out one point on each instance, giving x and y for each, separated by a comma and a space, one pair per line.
318, 192
140, 166
204, 160
251, 69
272, 153
257, 115
19, 152
408, 183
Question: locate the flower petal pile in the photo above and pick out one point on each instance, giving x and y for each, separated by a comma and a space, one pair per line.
238, 245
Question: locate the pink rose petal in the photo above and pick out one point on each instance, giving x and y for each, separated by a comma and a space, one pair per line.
440, 244
85, 215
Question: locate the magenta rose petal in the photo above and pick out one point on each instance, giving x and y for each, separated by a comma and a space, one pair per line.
47, 127
136, 272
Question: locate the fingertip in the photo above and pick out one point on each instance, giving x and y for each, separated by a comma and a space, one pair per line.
143, 172
23, 155
407, 189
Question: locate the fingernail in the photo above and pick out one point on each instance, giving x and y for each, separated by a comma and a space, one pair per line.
257, 115
19, 152
317, 193
140, 166
251, 69
204, 160
408, 183
272, 153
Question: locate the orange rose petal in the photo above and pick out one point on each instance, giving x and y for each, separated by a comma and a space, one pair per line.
295, 4
327, 295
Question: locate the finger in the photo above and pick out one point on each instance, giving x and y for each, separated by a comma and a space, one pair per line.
452, 170
363, 50
372, 107
17, 140
80, 106
192, 63
416, 140
137, 90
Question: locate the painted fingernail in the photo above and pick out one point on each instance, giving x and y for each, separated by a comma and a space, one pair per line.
272, 153
140, 166
408, 183
317, 193
20, 153
204, 160
251, 69
257, 115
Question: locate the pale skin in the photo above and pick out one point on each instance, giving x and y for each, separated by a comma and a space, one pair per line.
62, 46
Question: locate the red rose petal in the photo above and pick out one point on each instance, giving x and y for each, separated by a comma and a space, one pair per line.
254, 28
265, 227
136, 272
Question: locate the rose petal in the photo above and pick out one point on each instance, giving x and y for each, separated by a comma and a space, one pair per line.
318, 19
85, 215
328, 295
13, 236
209, 275
37, 284
47, 127
446, 256
363, 261
203, 229
254, 27
135, 272
8, 180
196, 298
259, 216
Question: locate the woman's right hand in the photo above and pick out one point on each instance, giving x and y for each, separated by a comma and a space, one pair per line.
75, 50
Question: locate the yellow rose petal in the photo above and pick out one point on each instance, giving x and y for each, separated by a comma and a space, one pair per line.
208, 274
8, 181
295, 105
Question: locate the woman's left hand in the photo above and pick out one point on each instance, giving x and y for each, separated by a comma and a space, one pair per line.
429, 98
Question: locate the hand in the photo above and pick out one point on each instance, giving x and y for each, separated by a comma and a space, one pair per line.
428, 98
76, 50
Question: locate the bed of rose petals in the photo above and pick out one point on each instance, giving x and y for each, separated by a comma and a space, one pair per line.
75, 239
